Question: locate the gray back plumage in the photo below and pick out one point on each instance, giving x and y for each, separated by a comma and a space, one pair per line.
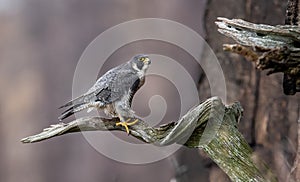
115, 83
118, 84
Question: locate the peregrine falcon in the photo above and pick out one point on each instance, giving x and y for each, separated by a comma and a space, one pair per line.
113, 92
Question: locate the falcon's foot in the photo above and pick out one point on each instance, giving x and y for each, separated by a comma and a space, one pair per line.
126, 124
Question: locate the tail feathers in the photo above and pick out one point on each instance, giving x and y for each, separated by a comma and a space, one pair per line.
72, 110
66, 104
81, 99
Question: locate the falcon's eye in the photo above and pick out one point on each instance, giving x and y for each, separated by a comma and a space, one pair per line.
142, 59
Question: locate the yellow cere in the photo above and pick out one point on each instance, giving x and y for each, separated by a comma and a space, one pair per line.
142, 59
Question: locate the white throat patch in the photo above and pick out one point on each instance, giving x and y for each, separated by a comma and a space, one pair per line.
141, 73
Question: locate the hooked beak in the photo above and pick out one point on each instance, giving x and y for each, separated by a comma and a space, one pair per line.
147, 61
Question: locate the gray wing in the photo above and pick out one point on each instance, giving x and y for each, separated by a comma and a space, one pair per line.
90, 95
112, 86
125, 82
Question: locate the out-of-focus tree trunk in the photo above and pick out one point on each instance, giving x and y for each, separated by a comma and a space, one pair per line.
270, 118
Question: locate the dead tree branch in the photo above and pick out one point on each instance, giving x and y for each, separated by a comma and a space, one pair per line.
272, 48
211, 126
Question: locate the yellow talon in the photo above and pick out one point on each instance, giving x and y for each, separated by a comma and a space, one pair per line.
126, 124
131, 123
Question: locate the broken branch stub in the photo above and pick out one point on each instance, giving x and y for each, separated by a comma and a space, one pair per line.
272, 48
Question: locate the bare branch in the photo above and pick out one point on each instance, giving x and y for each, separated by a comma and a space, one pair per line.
163, 135
211, 126
272, 48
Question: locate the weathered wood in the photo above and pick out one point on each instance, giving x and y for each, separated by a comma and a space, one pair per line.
211, 126
274, 48
163, 135
292, 12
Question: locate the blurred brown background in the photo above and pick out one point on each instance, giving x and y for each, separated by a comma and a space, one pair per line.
41, 43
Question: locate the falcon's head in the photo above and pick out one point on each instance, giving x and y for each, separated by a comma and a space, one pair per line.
140, 62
